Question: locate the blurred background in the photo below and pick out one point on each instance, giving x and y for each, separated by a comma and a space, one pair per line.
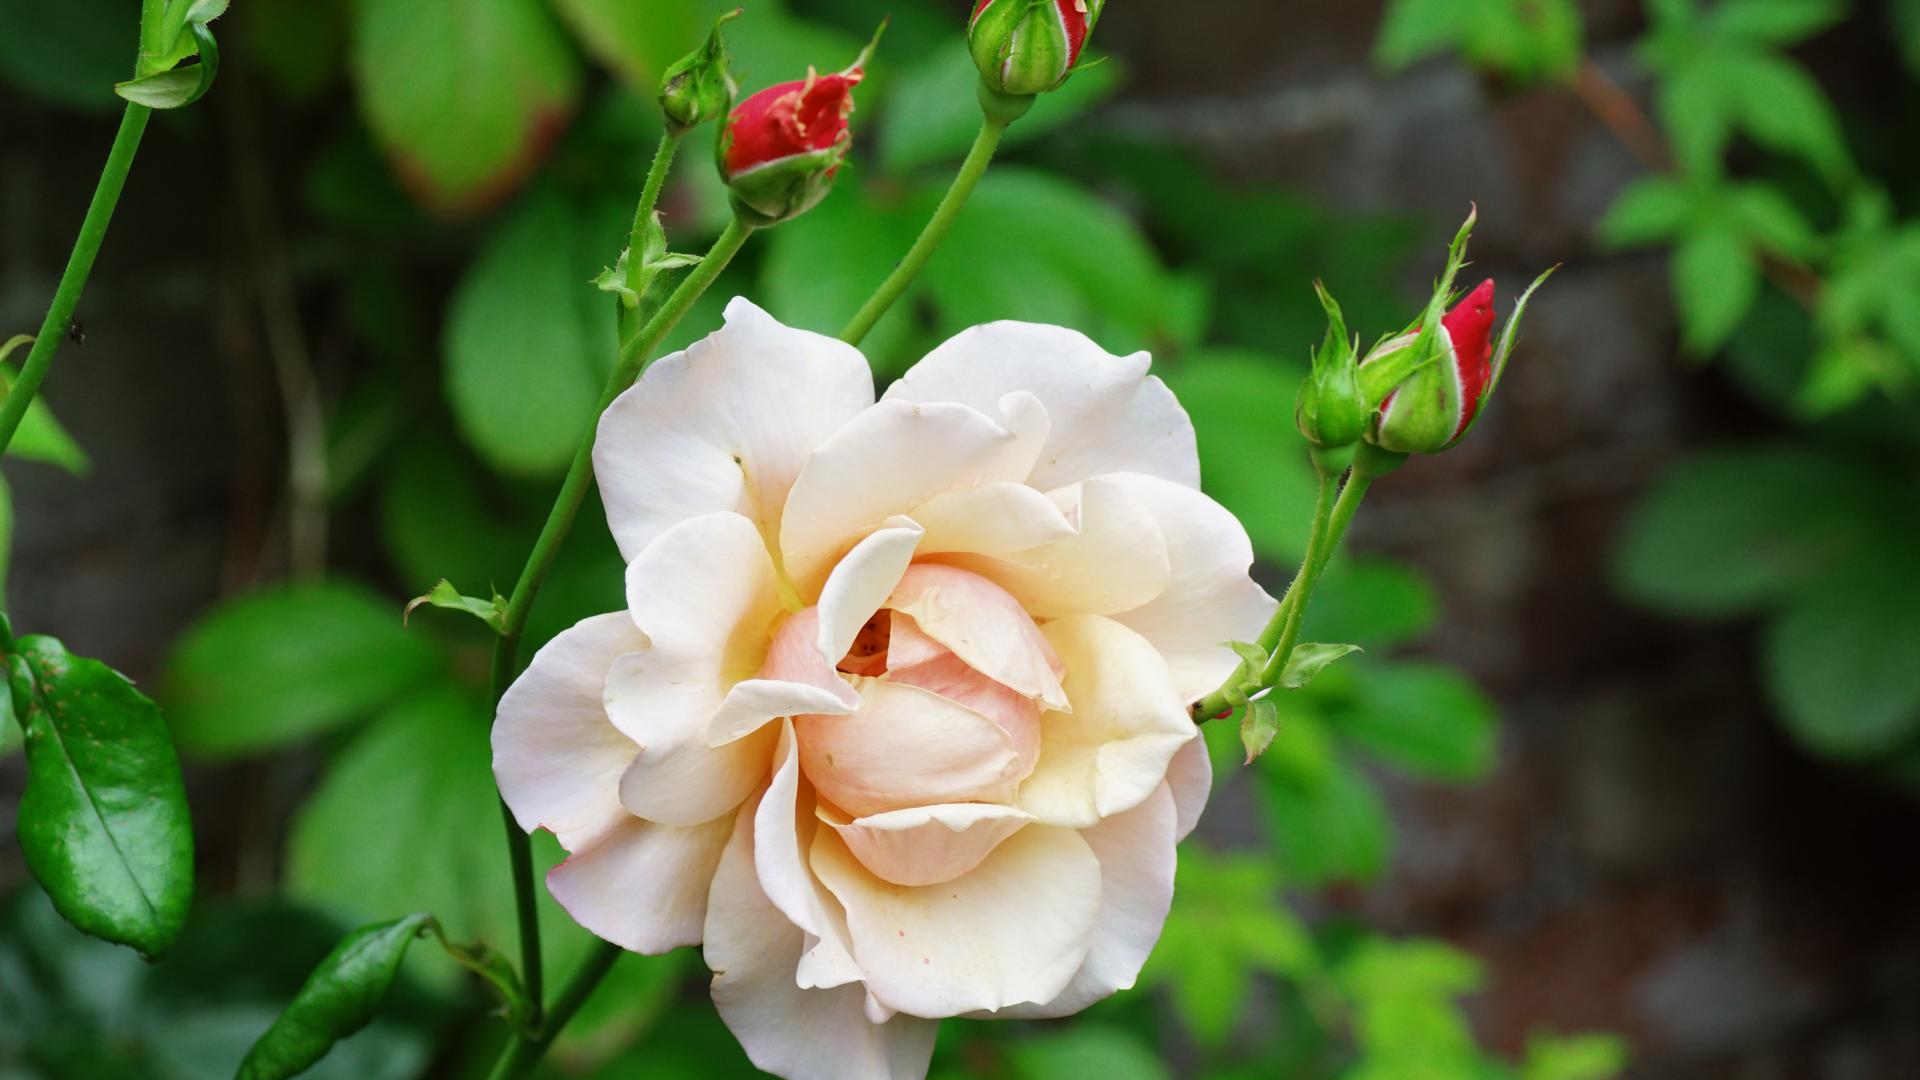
1624, 784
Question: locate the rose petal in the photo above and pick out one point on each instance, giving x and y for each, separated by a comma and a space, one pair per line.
983, 626
886, 461
784, 826
1211, 598
643, 886
703, 591
860, 582
1117, 560
1012, 930
905, 746
724, 426
1136, 856
1190, 779
556, 756
949, 676
797, 1033
1112, 751
926, 845
993, 519
1107, 414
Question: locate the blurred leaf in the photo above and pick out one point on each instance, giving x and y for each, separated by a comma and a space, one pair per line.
299, 45
341, 996
1252, 458
529, 341
1525, 40
1088, 1050
933, 112
1226, 926
70, 53
1715, 282
1839, 662
820, 267
1423, 717
6, 554
1777, 22
1574, 1057
465, 96
1310, 658
637, 40
1376, 602
1406, 1019
288, 663
103, 821
1725, 533
1906, 27
1336, 830
39, 436
1651, 209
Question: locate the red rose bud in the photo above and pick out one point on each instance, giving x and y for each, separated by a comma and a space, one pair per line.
1025, 47
1431, 408
782, 146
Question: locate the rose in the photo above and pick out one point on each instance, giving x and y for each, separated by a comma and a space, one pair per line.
1434, 407
1025, 47
895, 721
782, 147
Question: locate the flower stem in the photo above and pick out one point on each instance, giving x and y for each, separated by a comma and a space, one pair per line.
643, 216
998, 110
566, 506
86, 247
524, 1051
1318, 555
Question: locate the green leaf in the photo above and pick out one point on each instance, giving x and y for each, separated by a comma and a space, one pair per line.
1839, 662
70, 53
39, 436
341, 996
1574, 1057
1784, 109
867, 237
1412, 29
1776, 22
1651, 210
1727, 533
637, 41
1333, 831
298, 45
177, 87
1423, 717
6, 553
932, 112
1259, 723
288, 663
1110, 1053
103, 821
1309, 659
1715, 282
444, 595
1376, 602
1252, 458
465, 96
529, 341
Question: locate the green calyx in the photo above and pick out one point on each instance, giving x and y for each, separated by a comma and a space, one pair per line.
1021, 46
698, 87
785, 188
1331, 412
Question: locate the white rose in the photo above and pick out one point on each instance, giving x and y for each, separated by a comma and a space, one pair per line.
895, 722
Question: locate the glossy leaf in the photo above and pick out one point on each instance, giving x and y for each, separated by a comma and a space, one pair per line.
339, 998
465, 96
103, 821
288, 663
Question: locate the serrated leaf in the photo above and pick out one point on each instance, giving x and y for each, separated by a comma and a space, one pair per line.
1258, 725
341, 996
288, 663
1309, 659
103, 821
444, 595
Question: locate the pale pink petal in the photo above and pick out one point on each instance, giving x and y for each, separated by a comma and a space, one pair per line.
755, 702
1211, 597
1012, 930
556, 756
1107, 413
724, 426
983, 625
949, 676
926, 845
860, 582
704, 592
1190, 779
1112, 751
643, 886
906, 747
908, 647
1136, 856
886, 461
992, 519
784, 826
1117, 560
801, 1034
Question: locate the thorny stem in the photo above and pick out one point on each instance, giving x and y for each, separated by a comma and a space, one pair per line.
86, 247
997, 111
643, 215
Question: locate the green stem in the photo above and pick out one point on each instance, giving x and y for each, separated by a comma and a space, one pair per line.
566, 506
643, 217
86, 247
525, 1050
1316, 562
998, 110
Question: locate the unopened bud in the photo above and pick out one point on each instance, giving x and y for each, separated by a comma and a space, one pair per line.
1025, 47
698, 87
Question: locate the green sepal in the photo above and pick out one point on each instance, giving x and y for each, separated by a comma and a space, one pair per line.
177, 87
1258, 726
103, 822
1509, 337
1309, 659
444, 595
770, 193
699, 87
1381, 375
1330, 410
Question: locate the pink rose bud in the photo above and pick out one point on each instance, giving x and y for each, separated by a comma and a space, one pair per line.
782, 147
1025, 47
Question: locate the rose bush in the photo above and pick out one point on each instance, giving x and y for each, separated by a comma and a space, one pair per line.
896, 720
